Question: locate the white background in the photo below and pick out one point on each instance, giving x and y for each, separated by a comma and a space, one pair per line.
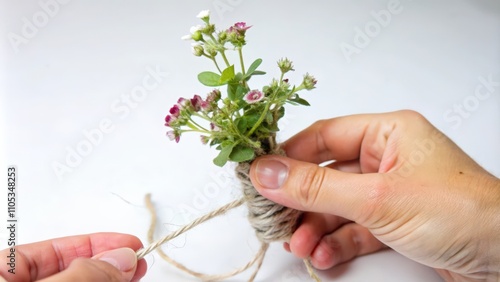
68, 73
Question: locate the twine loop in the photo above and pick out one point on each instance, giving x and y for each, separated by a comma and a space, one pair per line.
272, 222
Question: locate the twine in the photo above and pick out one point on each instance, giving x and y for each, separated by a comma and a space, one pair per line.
271, 222
258, 258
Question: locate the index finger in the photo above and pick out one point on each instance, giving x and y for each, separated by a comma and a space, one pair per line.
42, 259
342, 139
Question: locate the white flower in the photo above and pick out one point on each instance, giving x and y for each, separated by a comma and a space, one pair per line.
203, 14
195, 28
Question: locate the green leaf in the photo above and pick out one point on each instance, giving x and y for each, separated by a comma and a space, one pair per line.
241, 124
223, 156
227, 75
209, 78
240, 92
242, 154
252, 119
297, 100
258, 72
281, 112
253, 67
231, 91
235, 92
238, 77
302, 101
269, 118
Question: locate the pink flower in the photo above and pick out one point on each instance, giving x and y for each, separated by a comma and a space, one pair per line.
205, 106
175, 111
239, 27
169, 119
197, 102
172, 135
214, 127
204, 139
214, 96
182, 102
253, 96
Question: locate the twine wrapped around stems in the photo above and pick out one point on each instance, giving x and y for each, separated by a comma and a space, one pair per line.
272, 222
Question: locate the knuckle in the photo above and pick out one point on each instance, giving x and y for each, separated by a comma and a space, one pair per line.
413, 117
378, 196
310, 186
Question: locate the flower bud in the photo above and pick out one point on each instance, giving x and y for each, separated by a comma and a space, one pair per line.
197, 36
174, 135
309, 81
214, 96
204, 139
285, 65
222, 36
208, 29
198, 50
211, 51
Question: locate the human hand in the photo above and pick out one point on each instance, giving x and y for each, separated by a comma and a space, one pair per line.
93, 257
396, 181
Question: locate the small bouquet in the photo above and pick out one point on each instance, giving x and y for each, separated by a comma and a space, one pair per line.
242, 122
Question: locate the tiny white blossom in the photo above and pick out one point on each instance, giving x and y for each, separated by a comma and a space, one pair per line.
203, 14
195, 28
187, 37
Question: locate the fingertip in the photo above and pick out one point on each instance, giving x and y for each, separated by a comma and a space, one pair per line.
123, 259
324, 256
286, 246
303, 241
140, 272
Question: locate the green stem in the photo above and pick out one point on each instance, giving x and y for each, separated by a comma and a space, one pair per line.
215, 62
260, 120
221, 51
225, 58
196, 124
202, 116
195, 130
240, 53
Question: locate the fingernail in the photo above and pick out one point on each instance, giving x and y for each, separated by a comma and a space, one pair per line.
271, 173
123, 259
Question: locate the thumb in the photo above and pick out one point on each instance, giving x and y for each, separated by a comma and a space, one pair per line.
117, 265
309, 187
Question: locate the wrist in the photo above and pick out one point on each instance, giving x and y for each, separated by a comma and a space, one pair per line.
492, 226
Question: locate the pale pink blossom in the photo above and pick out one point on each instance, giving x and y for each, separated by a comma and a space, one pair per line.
253, 96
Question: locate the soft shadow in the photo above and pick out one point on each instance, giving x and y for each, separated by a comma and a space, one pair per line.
336, 271
489, 6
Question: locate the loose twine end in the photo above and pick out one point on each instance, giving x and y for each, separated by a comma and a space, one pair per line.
155, 245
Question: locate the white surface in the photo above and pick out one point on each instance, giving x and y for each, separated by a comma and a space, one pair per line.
70, 74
